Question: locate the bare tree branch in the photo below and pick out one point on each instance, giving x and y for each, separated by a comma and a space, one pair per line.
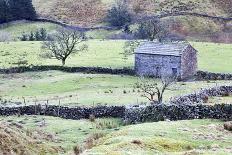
151, 89
64, 43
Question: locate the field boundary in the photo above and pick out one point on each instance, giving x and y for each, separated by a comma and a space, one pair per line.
204, 75
200, 75
133, 114
136, 113
78, 28
93, 70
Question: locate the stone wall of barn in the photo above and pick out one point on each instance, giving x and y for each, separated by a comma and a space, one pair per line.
188, 63
156, 65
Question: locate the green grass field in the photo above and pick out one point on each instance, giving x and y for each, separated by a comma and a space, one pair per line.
211, 57
74, 89
100, 53
17, 28
181, 137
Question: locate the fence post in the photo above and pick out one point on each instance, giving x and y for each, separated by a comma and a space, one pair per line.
59, 109
35, 108
24, 101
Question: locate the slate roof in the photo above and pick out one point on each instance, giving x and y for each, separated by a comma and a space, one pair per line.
154, 48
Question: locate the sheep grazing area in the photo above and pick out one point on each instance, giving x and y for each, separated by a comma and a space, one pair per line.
40, 134
92, 105
75, 89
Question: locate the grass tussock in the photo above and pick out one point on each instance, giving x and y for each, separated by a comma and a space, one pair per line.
14, 139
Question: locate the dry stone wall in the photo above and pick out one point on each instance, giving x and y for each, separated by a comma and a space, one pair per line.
180, 109
203, 95
202, 75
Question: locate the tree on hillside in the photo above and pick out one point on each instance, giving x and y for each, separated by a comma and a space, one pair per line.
4, 9
119, 15
16, 10
21, 9
153, 90
64, 43
151, 29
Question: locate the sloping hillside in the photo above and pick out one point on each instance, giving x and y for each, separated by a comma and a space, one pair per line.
14, 139
79, 12
179, 138
92, 12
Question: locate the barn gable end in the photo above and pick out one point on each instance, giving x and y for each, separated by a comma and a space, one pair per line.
165, 59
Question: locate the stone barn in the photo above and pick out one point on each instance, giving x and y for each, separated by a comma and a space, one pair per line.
166, 59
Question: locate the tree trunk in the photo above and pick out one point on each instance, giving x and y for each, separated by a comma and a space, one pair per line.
63, 62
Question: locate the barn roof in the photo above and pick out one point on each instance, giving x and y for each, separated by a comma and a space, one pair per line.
154, 48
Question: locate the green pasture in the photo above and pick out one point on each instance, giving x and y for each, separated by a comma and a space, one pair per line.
75, 89
180, 137
100, 53
17, 28
108, 53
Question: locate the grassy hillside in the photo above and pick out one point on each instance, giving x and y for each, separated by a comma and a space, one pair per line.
17, 28
15, 139
181, 137
62, 134
92, 12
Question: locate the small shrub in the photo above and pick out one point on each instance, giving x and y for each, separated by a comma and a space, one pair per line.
124, 91
38, 35
119, 15
91, 140
32, 37
77, 150
137, 142
24, 37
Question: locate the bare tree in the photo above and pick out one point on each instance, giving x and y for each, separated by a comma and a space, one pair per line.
153, 90
151, 29
64, 43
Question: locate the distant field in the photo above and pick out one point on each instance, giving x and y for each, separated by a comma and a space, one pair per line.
107, 53
100, 53
214, 57
77, 89
17, 28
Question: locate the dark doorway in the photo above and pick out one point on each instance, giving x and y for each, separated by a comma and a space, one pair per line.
174, 71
